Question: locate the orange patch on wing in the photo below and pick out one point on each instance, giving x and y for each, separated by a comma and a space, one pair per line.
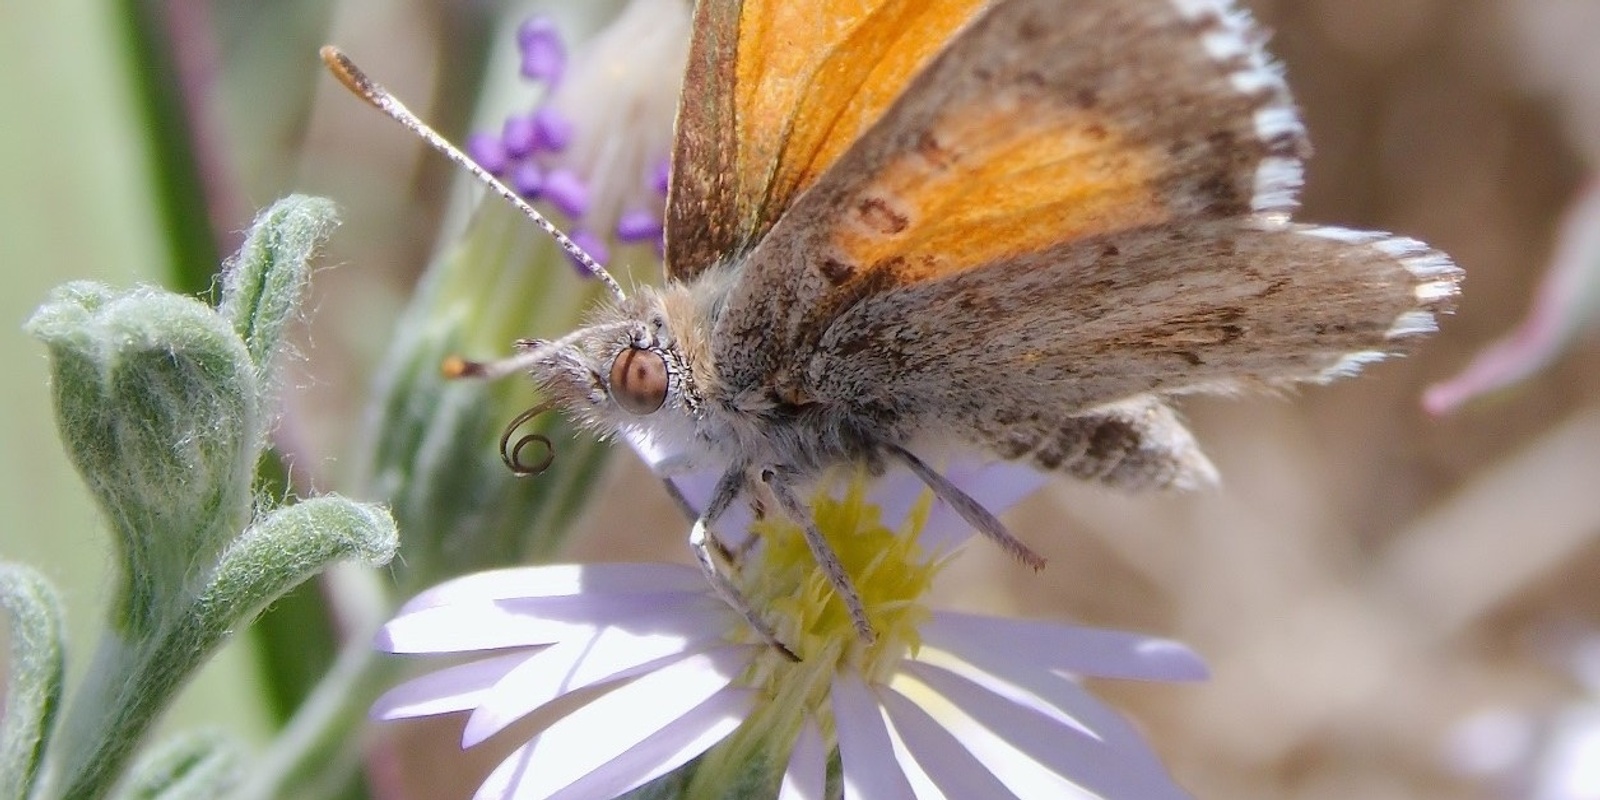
812, 75
999, 179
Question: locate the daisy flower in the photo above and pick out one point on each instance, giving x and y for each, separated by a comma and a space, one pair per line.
627, 672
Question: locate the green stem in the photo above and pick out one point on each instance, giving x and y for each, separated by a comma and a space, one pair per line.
179, 187
320, 750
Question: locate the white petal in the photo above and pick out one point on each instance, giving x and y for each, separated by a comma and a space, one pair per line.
558, 580
1069, 648
522, 622
958, 774
456, 688
806, 777
609, 654
1067, 751
591, 737
1023, 776
670, 748
1059, 696
870, 769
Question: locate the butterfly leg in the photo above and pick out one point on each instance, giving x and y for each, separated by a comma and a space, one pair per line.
702, 541
970, 510
828, 560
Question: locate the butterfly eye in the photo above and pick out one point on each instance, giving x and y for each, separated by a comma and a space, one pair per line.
639, 380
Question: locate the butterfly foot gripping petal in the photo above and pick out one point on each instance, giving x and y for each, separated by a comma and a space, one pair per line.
970, 509
797, 512
702, 541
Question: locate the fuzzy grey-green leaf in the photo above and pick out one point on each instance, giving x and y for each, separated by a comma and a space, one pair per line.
159, 409
33, 686
289, 545
263, 285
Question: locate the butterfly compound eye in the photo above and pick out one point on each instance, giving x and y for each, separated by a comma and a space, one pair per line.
639, 380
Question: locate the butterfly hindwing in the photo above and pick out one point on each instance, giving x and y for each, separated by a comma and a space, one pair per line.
1011, 356
1131, 445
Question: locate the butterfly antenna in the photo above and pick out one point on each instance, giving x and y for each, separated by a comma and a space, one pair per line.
378, 97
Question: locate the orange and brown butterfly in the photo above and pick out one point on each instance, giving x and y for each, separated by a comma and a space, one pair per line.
898, 227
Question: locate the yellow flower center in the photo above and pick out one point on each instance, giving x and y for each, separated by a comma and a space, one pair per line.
779, 576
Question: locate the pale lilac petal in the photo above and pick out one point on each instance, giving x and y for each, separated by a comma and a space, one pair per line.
639, 225
996, 485
1057, 695
519, 135
806, 777
610, 654
1567, 299
520, 623
651, 450
670, 748
589, 738
865, 750
894, 494
559, 580
951, 767
696, 488
1078, 650
1065, 750
456, 688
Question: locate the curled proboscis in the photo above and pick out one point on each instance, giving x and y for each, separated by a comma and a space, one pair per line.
511, 452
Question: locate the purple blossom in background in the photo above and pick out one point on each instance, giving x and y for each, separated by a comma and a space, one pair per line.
535, 151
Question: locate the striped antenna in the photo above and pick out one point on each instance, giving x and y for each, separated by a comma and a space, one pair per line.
378, 97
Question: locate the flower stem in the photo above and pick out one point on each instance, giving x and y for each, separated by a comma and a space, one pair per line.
320, 750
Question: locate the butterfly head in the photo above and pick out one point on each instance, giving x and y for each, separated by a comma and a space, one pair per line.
630, 368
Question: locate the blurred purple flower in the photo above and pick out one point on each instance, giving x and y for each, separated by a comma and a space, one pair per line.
593, 144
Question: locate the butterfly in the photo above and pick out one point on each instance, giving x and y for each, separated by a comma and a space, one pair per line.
1022, 227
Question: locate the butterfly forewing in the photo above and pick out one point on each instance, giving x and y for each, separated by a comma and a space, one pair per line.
780, 90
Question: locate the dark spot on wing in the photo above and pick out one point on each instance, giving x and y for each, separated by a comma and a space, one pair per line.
836, 271
882, 217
